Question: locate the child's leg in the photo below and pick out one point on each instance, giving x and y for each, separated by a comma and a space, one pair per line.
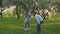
38, 28
26, 24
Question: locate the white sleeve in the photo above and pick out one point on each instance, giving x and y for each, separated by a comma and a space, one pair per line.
37, 19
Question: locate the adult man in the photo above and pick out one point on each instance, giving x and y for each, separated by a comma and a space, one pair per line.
39, 20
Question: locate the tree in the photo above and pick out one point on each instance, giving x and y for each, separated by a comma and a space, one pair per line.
1, 8
31, 4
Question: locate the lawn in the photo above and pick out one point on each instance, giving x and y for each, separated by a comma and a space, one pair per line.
16, 26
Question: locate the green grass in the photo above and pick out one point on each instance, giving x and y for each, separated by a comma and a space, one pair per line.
16, 26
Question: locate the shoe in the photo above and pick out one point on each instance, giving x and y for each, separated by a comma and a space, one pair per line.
25, 29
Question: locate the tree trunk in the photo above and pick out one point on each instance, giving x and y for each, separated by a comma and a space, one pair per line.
1, 8
1, 12
17, 12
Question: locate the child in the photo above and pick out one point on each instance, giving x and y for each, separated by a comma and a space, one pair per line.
27, 19
39, 20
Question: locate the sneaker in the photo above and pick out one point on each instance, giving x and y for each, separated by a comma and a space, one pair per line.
25, 29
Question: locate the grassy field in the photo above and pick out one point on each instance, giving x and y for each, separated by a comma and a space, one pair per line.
16, 26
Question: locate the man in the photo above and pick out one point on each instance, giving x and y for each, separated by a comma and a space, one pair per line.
27, 19
39, 20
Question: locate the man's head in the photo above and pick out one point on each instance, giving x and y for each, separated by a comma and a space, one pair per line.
34, 13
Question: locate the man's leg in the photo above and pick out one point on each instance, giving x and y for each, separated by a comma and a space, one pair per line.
38, 28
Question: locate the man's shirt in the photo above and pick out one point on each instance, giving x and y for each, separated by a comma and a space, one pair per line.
38, 18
